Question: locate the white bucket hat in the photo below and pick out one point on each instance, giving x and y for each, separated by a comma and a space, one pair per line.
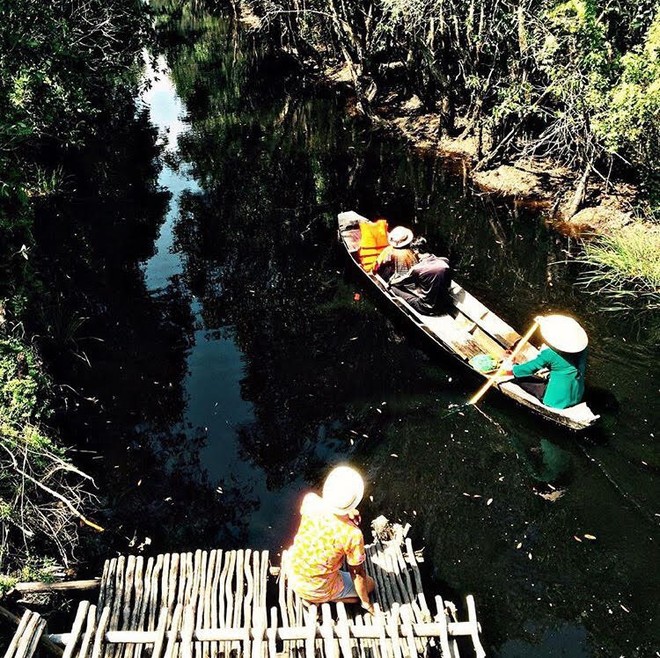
563, 333
400, 236
343, 490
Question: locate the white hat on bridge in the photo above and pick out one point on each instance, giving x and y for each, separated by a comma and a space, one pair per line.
343, 490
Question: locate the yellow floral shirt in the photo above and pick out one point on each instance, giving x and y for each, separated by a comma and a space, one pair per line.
322, 542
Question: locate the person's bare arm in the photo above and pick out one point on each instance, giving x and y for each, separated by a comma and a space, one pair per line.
363, 584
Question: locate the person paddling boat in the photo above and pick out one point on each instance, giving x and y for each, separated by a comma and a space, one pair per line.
564, 356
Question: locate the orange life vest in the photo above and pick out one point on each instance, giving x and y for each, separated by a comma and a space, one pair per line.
373, 239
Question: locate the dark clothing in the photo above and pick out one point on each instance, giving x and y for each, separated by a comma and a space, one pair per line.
566, 381
426, 286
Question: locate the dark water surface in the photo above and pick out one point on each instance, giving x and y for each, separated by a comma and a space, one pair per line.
237, 364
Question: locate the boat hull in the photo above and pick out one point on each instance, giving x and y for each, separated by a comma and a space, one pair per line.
468, 328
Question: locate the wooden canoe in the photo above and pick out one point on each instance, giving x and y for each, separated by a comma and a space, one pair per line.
468, 329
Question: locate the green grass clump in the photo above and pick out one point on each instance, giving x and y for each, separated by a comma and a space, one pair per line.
625, 265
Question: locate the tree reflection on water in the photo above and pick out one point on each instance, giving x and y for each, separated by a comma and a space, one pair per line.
329, 374
275, 165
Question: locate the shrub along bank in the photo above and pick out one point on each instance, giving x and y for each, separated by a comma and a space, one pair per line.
65, 68
555, 100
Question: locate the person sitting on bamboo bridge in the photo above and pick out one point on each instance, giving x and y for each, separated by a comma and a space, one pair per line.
328, 534
397, 258
565, 357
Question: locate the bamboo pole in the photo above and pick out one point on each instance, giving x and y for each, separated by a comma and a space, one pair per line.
496, 375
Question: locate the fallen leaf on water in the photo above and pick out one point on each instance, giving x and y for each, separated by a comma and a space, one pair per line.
589, 537
552, 496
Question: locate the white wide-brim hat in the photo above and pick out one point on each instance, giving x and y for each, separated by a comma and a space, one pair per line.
343, 490
563, 333
400, 236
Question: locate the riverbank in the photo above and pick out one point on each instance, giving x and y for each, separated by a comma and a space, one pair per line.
571, 203
575, 199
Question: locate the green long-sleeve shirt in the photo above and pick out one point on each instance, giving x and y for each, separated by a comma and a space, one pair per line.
566, 382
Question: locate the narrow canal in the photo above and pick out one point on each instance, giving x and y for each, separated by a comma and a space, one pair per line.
234, 359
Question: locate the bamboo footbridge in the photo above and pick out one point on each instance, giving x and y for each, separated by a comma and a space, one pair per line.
215, 604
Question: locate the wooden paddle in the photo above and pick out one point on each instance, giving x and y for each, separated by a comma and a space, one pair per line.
493, 378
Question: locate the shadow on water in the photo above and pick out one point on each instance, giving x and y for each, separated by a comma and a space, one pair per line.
233, 359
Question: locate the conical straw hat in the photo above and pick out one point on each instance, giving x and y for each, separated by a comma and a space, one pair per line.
563, 333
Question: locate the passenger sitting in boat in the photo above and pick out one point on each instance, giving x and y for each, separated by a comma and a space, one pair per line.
565, 358
397, 258
329, 533
426, 286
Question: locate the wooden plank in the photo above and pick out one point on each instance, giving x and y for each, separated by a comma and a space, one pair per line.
187, 629
104, 584
129, 578
174, 592
99, 638
153, 592
290, 633
214, 598
174, 630
76, 629
384, 644
408, 633
271, 633
18, 635
282, 589
342, 630
142, 622
46, 642
371, 571
258, 639
240, 557
310, 635
249, 591
255, 572
264, 586
161, 628
412, 561
118, 592
190, 577
441, 618
164, 584
30, 637
393, 630
208, 601
474, 633
330, 646
195, 604
360, 645
136, 605
229, 592
90, 630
